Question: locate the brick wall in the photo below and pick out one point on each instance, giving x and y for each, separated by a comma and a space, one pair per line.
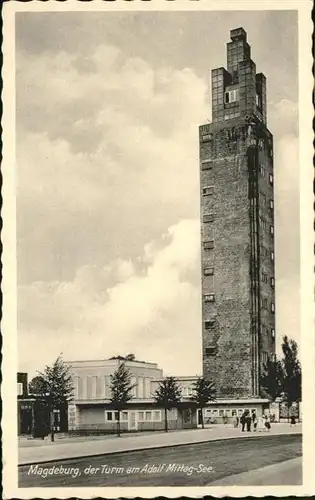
228, 341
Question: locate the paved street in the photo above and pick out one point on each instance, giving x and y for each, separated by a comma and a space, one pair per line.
196, 464
71, 448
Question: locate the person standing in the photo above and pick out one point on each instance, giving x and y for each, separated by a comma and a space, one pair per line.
260, 423
248, 421
255, 421
267, 422
243, 420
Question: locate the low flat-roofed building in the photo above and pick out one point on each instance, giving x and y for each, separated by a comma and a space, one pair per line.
91, 410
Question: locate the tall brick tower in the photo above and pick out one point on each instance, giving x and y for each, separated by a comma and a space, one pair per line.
237, 227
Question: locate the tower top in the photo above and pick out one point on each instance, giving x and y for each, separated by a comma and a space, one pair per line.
238, 91
238, 34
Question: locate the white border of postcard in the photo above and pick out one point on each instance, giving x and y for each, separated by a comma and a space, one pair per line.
9, 327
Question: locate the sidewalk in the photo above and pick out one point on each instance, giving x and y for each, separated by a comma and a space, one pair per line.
288, 473
50, 452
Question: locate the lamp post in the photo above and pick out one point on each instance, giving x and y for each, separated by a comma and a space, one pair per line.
51, 416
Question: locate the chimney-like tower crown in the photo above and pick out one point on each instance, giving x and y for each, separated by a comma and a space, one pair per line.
238, 91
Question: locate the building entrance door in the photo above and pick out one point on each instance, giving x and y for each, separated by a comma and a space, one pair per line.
133, 422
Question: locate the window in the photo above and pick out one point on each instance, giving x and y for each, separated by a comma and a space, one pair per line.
19, 389
209, 323
206, 137
272, 307
133, 382
262, 170
208, 271
124, 416
210, 351
208, 245
262, 223
257, 100
141, 416
264, 357
111, 416
185, 391
264, 303
263, 199
264, 277
271, 230
272, 256
206, 165
240, 411
272, 282
263, 251
156, 416
148, 416
221, 413
271, 179
208, 190
209, 297
232, 96
208, 218
271, 204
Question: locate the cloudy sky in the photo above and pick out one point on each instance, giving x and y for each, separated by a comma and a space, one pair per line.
108, 108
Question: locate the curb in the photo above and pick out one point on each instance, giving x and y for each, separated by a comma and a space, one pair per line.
158, 446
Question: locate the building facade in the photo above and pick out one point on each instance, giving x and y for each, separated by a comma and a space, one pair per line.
237, 227
91, 410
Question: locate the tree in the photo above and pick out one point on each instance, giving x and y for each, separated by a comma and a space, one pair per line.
271, 379
204, 391
291, 372
121, 387
38, 386
283, 377
167, 395
128, 357
55, 383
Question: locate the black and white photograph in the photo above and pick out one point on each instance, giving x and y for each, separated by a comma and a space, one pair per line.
157, 190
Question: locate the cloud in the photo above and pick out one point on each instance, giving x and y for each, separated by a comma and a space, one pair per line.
154, 313
119, 143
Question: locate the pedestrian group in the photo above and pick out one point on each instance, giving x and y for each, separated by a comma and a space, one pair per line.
251, 421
